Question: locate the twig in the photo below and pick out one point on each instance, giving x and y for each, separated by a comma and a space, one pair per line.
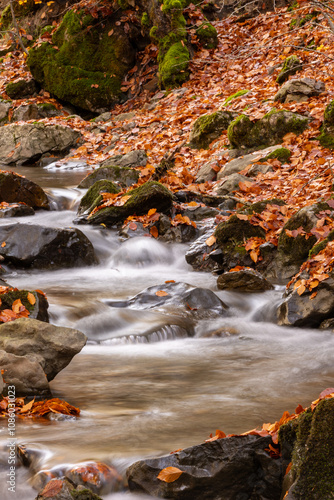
17, 28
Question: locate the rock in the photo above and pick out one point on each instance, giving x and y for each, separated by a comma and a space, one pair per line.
179, 297
199, 255
35, 111
98, 477
207, 35
122, 175
41, 247
300, 310
290, 67
51, 346
294, 243
326, 137
142, 199
209, 127
259, 169
207, 172
136, 158
230, 468
26, 374
124, 116
16, 189
235, 166
182, 233
269, 130
64, 489
229, 184
328, 324
299, 90
308, 442
85, 71
15, 210
20, 144
199, 213
22, 89
4, 108
246, 280
93, 198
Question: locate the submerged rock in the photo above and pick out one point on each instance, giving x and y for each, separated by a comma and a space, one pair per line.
41, 247
230, 468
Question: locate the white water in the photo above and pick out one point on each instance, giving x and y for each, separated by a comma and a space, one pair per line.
145, 398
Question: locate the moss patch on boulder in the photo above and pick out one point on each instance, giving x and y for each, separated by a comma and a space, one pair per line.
207, 35
327, 131
173, 69
290, 67
88, 66
93, 198
209, 127
235, 96
122, 175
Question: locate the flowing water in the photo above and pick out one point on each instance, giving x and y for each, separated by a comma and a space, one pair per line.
145, 388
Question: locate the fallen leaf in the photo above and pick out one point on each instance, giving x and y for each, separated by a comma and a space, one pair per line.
211, 240
161, 293
169, 474
31, 298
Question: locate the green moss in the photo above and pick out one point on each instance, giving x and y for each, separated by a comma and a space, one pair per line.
124, 175
280, 154
235, 96
326, 140
207, 35
209, 127
239, 130
88, 68
145, 21
260, 206
123, 4
313, 455
8, 298
84, 494
318, 247
47, 106
174, 68
154, 34
47, 29
93, 197
236, 231
291, 65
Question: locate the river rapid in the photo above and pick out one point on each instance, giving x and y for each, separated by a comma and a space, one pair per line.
144, 389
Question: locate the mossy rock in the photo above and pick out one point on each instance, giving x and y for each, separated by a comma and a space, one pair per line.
295, 250
22, 88
290, 67
318, 247
93, 197
236, 230
142, 199
207, 35
260, 206
88, 66
122, 175
280, 154
313, 454
270, 130
173, 69
209, 127
327, 132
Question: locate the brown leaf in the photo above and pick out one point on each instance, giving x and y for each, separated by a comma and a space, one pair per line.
169, 474
154, 231
161, 293
31, 298
211, 240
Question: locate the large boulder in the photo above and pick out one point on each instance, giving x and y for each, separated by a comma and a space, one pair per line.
21, 144
15, 188
178, 298
25, 374
230, 468
41, 247
86, 71
299, 90
308, 442
142, 199
209, 127
269, 130
52, 347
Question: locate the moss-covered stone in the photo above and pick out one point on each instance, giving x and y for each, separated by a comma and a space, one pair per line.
318, 247
145, 20
236, 231
280, 154
207, 35
21, 89
123, 175
209, 127
290, 67
142, 199
313, 454
173, 70
235, 96
87, 67
38, 310
270, 130
260, 206
327, 131
84, 494
93, 198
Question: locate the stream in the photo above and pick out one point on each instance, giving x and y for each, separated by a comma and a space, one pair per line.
145, 389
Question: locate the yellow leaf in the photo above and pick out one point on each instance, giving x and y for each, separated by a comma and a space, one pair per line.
169, 474
31, 297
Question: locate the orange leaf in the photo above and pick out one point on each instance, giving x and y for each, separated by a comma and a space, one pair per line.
17, 305
211, 240
132, 226
170, 281
31, 297
151, 212
253, 255
242, 216
161, 293
169, 474
301, 289
154, 232
27, 407
3, 244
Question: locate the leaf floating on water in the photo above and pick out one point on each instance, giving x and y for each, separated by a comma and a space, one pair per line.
169, 474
